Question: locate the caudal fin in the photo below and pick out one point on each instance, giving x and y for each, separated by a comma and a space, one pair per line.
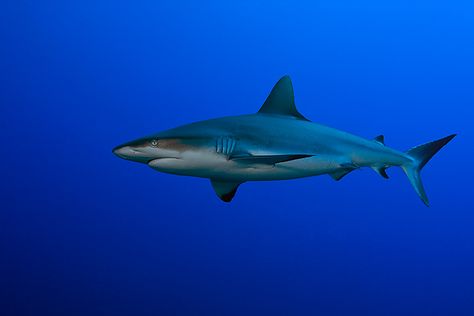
421, 155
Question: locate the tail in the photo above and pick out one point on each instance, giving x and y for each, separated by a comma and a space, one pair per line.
421, 155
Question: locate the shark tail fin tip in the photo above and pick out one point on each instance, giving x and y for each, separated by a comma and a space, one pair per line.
420, 156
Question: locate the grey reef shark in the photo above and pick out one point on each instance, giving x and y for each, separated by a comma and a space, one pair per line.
276, 143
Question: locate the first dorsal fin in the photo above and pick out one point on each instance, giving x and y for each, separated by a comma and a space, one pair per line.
281, 100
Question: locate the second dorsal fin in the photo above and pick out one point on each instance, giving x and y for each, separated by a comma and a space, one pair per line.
380, 139
282, 100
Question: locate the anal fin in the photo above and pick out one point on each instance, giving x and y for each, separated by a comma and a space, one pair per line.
381, 171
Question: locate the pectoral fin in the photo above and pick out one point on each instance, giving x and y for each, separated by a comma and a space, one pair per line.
267, 159
225, 190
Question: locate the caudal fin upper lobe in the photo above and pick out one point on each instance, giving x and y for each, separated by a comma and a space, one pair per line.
420, 156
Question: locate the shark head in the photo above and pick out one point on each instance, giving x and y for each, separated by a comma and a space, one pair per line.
147, 149
169, 152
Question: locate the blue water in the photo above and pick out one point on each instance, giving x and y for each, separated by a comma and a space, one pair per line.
85, 233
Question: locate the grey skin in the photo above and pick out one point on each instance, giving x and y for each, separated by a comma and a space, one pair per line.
277, 143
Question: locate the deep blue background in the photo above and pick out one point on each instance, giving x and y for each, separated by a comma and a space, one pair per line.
85, 233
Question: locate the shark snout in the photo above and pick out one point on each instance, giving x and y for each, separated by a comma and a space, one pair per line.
121, 151
130, 153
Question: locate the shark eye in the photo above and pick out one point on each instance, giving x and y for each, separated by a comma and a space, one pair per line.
154, 143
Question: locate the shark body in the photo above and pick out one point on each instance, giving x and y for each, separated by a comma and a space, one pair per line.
276, 143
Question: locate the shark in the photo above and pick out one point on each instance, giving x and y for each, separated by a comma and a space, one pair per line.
276, 143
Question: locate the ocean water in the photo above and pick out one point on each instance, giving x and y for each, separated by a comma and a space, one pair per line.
85, 233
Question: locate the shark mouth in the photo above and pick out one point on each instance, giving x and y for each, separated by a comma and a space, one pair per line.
154, 162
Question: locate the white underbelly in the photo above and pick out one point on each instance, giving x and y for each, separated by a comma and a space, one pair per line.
209, 165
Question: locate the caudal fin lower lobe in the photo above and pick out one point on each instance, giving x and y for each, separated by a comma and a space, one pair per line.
421, 155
